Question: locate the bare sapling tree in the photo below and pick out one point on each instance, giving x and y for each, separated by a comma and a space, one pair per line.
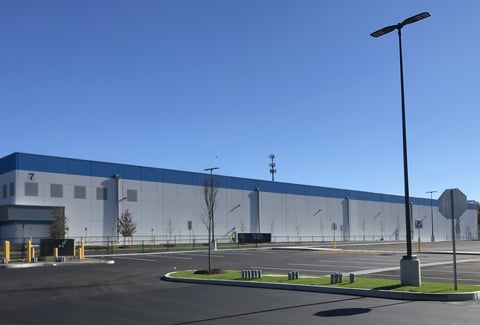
210, 191
170, 230
126, 226
59, 223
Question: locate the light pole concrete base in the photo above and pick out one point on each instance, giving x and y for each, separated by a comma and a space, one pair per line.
410, 274
213, 245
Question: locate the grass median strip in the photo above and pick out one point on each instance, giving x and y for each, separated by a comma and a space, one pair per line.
360, 282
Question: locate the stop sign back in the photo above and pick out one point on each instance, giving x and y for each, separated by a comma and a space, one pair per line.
452, 203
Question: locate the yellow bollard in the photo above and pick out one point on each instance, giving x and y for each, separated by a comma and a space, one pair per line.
29, 251
55, 252
334, 242
7, 250
81, 254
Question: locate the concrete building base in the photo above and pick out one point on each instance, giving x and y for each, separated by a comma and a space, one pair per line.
410, 274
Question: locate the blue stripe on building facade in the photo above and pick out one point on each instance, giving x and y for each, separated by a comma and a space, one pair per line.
50, 164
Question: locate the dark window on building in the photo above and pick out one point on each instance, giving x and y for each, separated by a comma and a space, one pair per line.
102, 193
31, 189
12, 189
4, 190
132, 195
79, 192
56, 190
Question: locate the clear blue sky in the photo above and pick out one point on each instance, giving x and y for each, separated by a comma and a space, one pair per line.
190, 84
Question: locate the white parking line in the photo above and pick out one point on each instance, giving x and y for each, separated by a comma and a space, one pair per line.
202, 254
134, 259
234, 253
152, 260
338, 262
177, 257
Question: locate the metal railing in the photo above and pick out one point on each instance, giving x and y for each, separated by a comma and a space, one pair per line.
144, 244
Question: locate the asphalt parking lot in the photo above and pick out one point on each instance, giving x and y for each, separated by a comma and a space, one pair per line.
371, 259
380, 259
131, 290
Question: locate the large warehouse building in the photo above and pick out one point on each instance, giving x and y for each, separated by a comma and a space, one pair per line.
169, 203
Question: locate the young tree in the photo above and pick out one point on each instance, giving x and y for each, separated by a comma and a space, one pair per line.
59, 223
170, 230
210, 191
126, 226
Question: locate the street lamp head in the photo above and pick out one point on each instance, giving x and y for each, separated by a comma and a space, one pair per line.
411, 20
414, 19
211, 169
384, 30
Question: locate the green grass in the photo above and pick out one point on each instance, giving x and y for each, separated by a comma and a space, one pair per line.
360, 282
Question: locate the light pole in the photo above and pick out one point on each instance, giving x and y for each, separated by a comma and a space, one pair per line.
321, 224
378, 33
381, 225
117, 206
431, 210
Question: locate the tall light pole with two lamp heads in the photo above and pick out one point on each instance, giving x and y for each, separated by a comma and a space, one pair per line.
409, 265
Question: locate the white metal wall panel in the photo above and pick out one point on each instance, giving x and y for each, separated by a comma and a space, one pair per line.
281, 214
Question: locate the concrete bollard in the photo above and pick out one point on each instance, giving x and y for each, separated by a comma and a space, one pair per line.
352, 277
251, 274
336, 278
293, 275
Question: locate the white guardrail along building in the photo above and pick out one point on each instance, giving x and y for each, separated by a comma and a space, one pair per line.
169, 202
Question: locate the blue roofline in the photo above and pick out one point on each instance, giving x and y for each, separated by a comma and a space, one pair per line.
52, 164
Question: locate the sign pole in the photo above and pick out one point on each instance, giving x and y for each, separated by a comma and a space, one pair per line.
453, 241
452, 204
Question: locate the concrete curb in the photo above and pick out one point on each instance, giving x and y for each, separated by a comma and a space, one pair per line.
399, 295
